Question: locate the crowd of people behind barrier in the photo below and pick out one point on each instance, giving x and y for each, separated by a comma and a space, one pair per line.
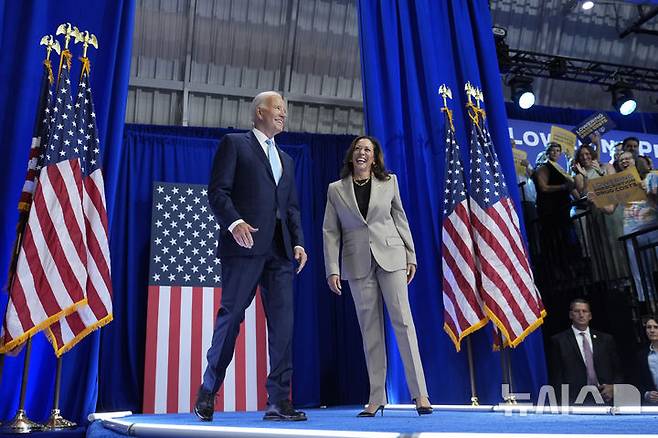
573, 238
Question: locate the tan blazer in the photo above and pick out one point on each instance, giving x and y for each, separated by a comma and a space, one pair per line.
385, 231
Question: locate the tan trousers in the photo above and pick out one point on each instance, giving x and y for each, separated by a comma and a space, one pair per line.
368, 293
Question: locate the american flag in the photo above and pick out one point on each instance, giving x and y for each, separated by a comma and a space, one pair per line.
184, 295
51, 272
67, 332
508, 290
463, 312
39, 137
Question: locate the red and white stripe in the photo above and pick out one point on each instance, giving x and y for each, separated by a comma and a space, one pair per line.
463, 312
67, 332
51, 274
179, 331
25, 201
508, 290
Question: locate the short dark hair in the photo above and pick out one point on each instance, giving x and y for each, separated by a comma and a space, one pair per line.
553, 144
627, 139
378, 166
579, 301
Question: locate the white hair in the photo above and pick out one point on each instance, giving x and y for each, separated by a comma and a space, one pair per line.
259, 101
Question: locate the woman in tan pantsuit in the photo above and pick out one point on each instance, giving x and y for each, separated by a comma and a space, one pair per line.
365, 214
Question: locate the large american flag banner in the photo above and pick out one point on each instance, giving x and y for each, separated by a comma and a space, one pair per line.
184, 296
463, 312
51, 271
508, 290
67, 332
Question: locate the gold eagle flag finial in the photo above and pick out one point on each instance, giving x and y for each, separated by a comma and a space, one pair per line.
87, 39
446, 93
69, 32
51, 44
470, 92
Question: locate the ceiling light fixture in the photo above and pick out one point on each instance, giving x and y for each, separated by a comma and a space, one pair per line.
522, 94
623, 99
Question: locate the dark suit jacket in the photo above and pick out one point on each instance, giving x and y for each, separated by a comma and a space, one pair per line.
242, 187
566, 364
642, 377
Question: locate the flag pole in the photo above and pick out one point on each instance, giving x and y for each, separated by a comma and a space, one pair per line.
21, 423
56, 421
475, 401
506, 370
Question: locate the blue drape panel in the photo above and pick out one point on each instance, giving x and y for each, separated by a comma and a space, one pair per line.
22, 24
408, 49
328, 358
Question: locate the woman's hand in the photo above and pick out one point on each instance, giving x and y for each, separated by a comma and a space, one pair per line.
411, 271
334, 284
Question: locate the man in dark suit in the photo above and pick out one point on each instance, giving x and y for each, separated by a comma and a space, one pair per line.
252, 193
580, 356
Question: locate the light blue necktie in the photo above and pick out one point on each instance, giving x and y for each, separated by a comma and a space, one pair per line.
275, 162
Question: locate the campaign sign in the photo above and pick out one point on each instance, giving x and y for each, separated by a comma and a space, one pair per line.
598, 122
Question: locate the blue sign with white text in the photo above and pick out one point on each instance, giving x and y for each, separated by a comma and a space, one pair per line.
533, 137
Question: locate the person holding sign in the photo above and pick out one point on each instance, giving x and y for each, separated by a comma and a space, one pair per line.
599, 233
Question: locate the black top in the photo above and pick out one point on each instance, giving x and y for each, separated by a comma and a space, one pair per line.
362, 193
553, 205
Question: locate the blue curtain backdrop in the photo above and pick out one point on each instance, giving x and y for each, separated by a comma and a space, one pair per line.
22, 24
408, 49
328, 358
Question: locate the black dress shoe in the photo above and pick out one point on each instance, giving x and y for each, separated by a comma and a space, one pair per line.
204, 407
366, 413
283, 411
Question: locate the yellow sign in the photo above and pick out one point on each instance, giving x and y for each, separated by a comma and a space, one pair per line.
617, 188
564, 138
519, 161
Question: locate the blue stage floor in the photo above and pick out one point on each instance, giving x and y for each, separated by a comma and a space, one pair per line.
402, 422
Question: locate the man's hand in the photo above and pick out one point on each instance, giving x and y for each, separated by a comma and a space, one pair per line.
334, 284
301, 257
242, 234
651, 396
411, 271
606, 391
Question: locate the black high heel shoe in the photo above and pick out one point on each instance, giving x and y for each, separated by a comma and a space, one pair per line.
365, 413
423, 410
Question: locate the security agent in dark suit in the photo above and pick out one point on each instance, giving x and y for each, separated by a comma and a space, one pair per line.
646, 365
253, 196
580, 356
